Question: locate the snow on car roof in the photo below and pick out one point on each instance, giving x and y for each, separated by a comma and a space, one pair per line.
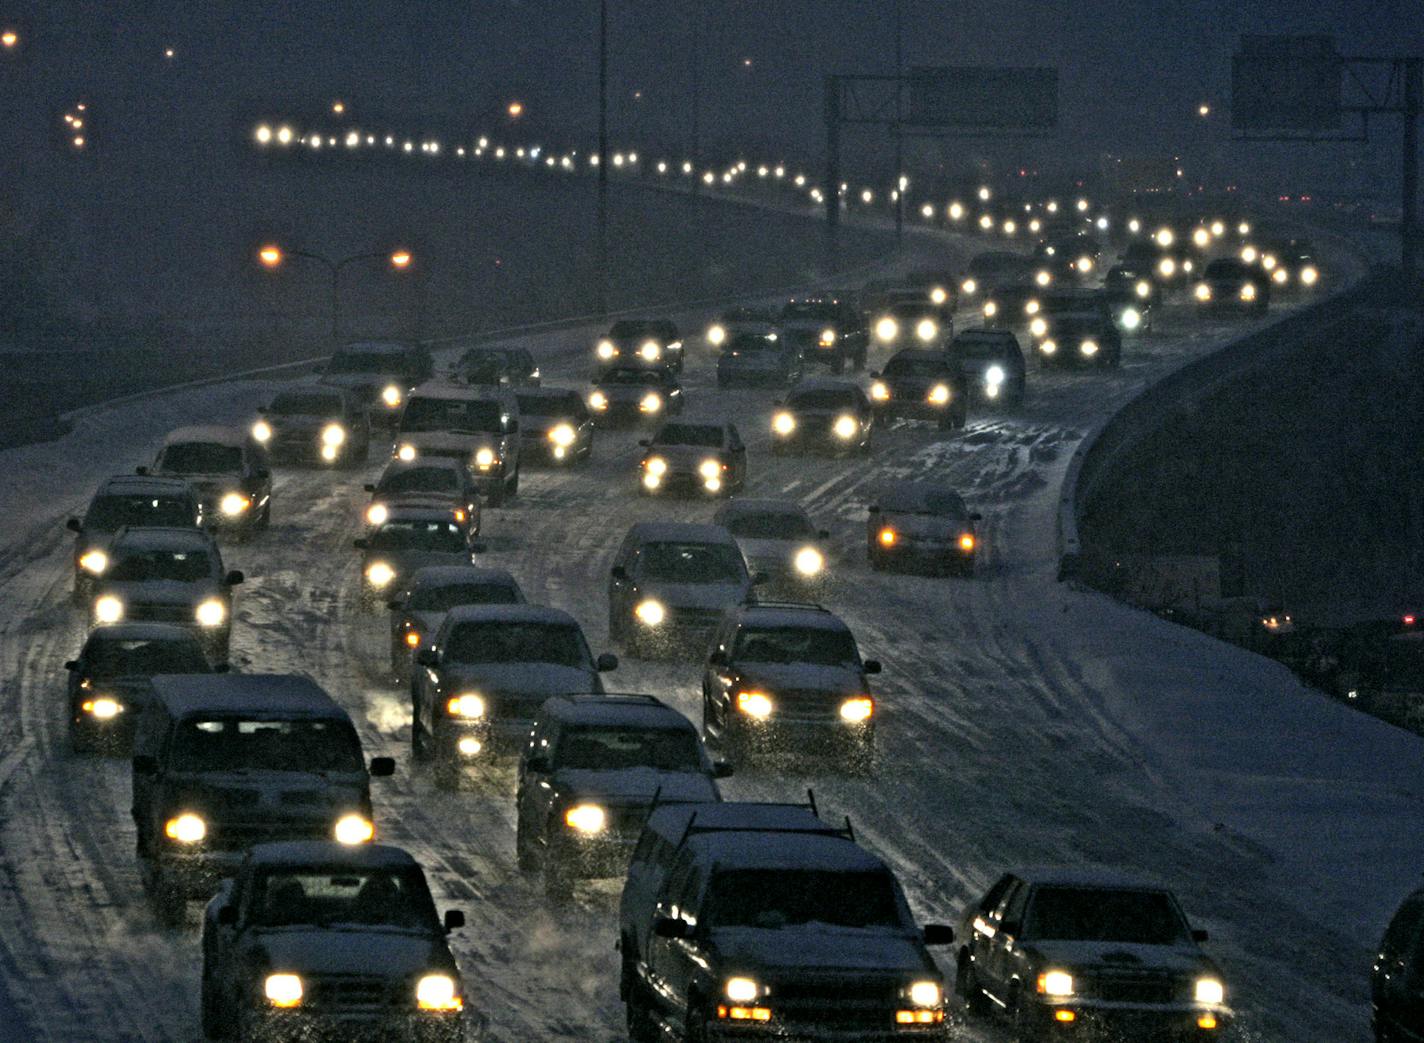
257, 695
1087, 876
373, 347
801, 851
330, 853
453, 575
461, 392
639, 711
680, 532
790, 616
167, 537
674, 821
738, 507
210, 433
509, 614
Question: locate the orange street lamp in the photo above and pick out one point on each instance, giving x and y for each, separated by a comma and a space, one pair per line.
272, 256
400, 259
9, 39
338, 107
515, 110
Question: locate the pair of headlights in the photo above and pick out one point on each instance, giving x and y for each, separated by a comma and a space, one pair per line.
434, 992
189, 828
1060, 984
209, 613
749, 990
332, 435
845, 427
760, 706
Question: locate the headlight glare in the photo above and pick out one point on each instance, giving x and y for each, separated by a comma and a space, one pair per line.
741, 990
391, 396
939, 395
467, 705
438, 992
651, 403
656, 466
563, 435
887, 329
598, 401
1210, 990
1055, 983
926, 994
186, 828
485, 457
376, 514
783, 423
283, 990
755, 704
234, 504
379, 574
857, 711
650, 613
879, 391
607, 350
586, 818
846, 427
927, 330
94, 561
716, 334
333, 435
108, 609
710, 469
406, 453
650, 350
353, 829
262, 431
809, 561
995, 375
210, 613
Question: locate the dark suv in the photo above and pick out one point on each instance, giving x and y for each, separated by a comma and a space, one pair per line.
1397, 982
121, 501
592, 770
763, 922
690, 457
315, 423
380, 374
1086, 952
825, 330
922, 385
229, 471
787, 675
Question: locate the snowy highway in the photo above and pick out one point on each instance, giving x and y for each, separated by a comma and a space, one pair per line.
1023, 722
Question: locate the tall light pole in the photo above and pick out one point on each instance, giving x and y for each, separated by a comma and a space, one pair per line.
603, 157
899, 115
273, 256
696, 157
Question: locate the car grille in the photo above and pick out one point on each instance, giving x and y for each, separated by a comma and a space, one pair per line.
159, 613
808, 704
695, 618
1134, 988
838, 1004
346, 993
237, 836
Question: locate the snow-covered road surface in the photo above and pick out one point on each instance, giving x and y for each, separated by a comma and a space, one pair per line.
1022, 722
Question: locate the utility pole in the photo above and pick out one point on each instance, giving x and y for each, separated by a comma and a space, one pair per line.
899, 116
603, 157
1409, 211
697, 26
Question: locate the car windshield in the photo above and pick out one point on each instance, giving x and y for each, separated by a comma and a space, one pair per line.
516, 642
692, 563
201, 458
772, 898
108, 513
187, 566
628, 375
610, 748
568, 406
803, 310
1225, 270
904, 366
451, 414
241, 744
770, 525
305, 404
924, 500
814, 645
708, 436
420, 480
144, 657
446, 596
1099, 914
824, 398
981, 347
418, 535
373, 362
291, 897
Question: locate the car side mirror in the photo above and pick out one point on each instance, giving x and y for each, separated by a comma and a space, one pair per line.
618, 572
359, 544
141, 470
671, 927
646, 443
538, 765
872, 666
722, 770
479, 547
1011, 928
606, 663
73, 525
976, 517
227, 916
938, 934
234, 578
382, 767
454, 920
1199, 935
222, 668
370, 487
717, 658
261, 473
396, 605
71, 664
145, 764
873, 509
428, 657
760, 579
823, 534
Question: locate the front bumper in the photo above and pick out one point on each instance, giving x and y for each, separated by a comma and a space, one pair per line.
1101, 1020
805, 735
914, 409
927, 552
684, 483
601, 856
798, 1030
358, 1025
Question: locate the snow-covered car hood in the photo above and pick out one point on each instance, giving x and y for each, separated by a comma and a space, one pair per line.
686, 457
362, 951
268, 795
859, 952
407, 561
635, 786
837, 680
208, 486
363, 381
926, 526
522, 681
162, 592
433, 440
695, 595
1081, 957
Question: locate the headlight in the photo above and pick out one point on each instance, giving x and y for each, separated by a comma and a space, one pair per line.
755, 704
650, 613
412, 638
262, 431
991, 308
1031, 306
828, 337
333, 435
783, 423
710, 469
1280, 276
741, 990
1203, 292
969, 286
1167, 267
1209, 990
234, 504
406, 452
926, 994
1084, 265
486, 458
939, 395
283, 990
1043, 277
887, 329
607, 350
376, 514
1131, 318
379, 574
1055, 983
879, 391
210, 613
1039, 326
563, 435
1248, 292
94, 561
927, 330
391, 396
103, 708
1249, 254
809, 561
1143, 288
651, 403
437, 992
186, 828
995, 375
468, 706
650, 350
353, 829
586, 818
938, 295
1048, 347
888, 537
857, 711
716, 335
1268, 261
598, 401
1089, 348
655, 465
846, 427
1309, 275
108, 609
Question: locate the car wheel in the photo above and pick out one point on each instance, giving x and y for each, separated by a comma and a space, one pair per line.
1021, 1014
215, 1026
514, 486
838, 366
447, 772
695, 1030
170, 906
966, 986
558, 883
524, 856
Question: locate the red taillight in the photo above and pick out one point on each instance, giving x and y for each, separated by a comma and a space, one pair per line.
1409, 620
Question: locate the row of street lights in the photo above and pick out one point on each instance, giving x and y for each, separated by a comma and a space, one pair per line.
272, 256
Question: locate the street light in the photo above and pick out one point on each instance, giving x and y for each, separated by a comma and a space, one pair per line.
272, 257
1203, 110
9, 39
338, 107
515, 109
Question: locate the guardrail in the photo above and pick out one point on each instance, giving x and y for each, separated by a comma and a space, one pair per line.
1180, 391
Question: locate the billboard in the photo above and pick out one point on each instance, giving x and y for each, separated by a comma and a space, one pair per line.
1286, 84
983, 98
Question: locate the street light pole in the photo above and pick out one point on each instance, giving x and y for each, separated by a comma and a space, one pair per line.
899, 115
273, 256
696, 157
603, 157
